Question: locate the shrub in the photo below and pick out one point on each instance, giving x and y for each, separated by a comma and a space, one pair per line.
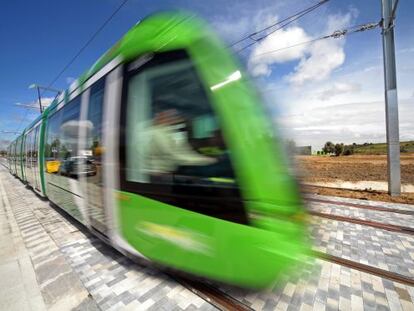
329, 147
339, 149
348, 150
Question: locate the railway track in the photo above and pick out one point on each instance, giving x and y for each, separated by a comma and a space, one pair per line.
363, 206
375, 224
365, 268
214, 296
224, 301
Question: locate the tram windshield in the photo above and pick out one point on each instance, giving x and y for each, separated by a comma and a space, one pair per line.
173, 135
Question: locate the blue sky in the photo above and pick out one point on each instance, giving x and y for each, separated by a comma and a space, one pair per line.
332, 90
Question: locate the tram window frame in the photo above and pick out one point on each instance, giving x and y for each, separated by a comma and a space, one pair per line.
163, 189
28, 152
96, 100
214, 200
55, 116
36, 147
62, 116
68, 111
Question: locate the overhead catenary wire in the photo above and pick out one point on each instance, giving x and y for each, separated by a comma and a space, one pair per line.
281, 24
335, 35
249, 36
72, 60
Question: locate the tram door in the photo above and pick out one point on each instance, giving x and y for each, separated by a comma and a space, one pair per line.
92, 157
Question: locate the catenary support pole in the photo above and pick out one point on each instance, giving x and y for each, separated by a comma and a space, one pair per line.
40, 99
391, 99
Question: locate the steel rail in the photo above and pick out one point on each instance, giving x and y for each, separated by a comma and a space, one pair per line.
365, 268
363, 206
213, 296
375, 224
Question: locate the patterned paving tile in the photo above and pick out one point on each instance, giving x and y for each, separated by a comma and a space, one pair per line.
59, 285
328, 286
115, 282
379, 248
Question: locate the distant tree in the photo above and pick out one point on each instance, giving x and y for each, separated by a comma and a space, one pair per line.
329, 147
338, 149
318, 152
403, 149
348, 150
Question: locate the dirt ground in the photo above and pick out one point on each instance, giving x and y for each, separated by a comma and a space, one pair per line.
354, 168
406, 198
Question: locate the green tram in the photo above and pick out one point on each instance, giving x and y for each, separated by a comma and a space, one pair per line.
164, 149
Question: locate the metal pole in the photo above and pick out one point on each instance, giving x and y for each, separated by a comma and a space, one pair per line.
391, 99
40, 100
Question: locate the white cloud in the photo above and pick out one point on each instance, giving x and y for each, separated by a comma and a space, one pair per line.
316, 61
46, 101
352, 84
324, 56
262, 56
349, 107
69, 80
353, 122
317, 92
236, 28
338, 88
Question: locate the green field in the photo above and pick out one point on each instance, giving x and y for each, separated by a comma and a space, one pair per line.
381, 148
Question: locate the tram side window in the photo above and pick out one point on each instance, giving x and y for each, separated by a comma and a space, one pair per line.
35, 144
35, 149
24, 137
68, 155
173, 135
95, 113
19, 153
29, 155
53, 142
69, 130
28, 150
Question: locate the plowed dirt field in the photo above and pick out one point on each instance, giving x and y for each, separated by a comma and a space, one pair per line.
355, 168
352, 168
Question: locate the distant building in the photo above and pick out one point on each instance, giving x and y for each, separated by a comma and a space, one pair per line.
303, 150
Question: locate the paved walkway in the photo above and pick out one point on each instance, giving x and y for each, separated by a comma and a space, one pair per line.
382, 249
19, 289
70, 269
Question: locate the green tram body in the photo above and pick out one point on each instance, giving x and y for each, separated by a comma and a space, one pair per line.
244, 231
